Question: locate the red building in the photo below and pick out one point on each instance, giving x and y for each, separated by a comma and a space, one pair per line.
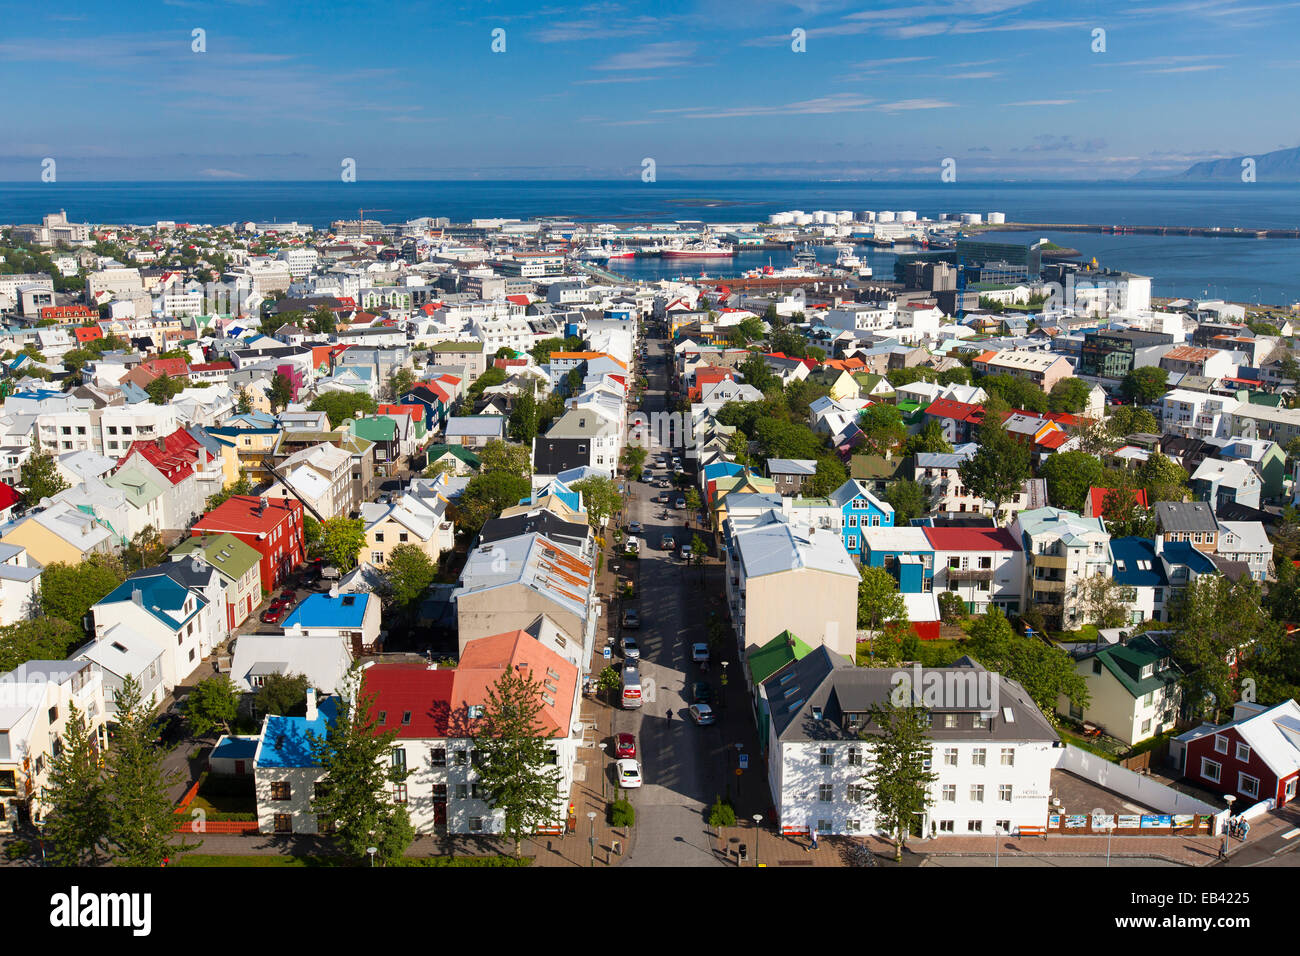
68, 313
1255, 756
273, 526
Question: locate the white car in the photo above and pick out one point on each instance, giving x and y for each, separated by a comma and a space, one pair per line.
699, 652
629, 773
702, 714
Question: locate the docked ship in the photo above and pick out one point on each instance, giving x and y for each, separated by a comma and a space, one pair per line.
703, 248
849, 261
592, 254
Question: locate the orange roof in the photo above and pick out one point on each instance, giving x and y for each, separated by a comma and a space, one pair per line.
485, 659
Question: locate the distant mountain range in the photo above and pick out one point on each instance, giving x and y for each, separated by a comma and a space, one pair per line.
1281, 165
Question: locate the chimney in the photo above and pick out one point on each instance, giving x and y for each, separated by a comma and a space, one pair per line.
137, 597
161, 443
1160, 544
311, 703
334, 590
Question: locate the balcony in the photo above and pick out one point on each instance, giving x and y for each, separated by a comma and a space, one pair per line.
970, 574
1049, 587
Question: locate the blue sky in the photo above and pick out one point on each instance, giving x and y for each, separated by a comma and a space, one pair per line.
710, 89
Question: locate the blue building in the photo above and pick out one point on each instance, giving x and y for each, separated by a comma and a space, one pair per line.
906, 553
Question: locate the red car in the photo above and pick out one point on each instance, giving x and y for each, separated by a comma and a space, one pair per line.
288, 596
273, 615
625, 746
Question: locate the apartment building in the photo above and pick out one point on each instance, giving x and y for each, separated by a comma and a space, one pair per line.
1044, 369
1062, 550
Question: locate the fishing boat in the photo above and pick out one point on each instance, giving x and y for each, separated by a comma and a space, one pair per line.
703, 248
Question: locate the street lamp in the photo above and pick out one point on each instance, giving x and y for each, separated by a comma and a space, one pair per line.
997, 845
371, 851
1108, 826
602, 745
591, 815
1229, 799
758, 822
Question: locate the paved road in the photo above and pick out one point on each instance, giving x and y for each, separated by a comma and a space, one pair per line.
1022, 860
684, 766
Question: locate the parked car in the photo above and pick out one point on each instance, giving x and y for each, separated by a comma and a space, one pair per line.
702, 692
668, 542
687, 551
631, 619
634, 527
631, 650
680, 502
274, 615
167, 729
702, 714
699, 652
625, 745
629, 773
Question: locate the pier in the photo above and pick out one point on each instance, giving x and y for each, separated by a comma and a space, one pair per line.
1209, 232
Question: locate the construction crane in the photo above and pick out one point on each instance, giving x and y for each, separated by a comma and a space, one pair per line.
361, 213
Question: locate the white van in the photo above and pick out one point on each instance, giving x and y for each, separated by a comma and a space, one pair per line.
631, 686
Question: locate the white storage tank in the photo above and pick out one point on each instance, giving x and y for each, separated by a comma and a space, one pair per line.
997, 218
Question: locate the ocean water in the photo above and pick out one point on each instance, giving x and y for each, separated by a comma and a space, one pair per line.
1242, 269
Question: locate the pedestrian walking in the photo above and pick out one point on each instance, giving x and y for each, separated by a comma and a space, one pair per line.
814, 837
1223, 849
1245, 830
670, 714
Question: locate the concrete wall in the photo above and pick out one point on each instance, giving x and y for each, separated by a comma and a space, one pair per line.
1143, 789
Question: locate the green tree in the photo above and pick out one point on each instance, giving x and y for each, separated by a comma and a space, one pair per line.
282, 694
756, 373
1145, 385
243, 402
1069, 475
39, 639
488, 494
929, 439
145, 550
1069, 395
601, 498
359, 766
68, 591
1128, 420
999, 466
516, 760
830, 474
573, 381
882, 428
407, 574
39, 478
1121, 510
140, 818
1213, 622
522, 425
693, 503
1105, 602
1017, 392
1046, 673
340, 406
401, 381
511, 458
879, 602
213, 704
242, 486
908, 500
165, 387
76, 813
311, 531
898, 778
1163, 478
341, 540
324, 321
281, 391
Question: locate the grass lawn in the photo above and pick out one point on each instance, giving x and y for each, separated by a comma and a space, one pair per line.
208, 859
1107, 747
1085, 634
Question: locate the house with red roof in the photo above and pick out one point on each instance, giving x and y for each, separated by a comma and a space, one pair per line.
184, 469
1095, 503
436, 714
982, 566
271, 526
959, 420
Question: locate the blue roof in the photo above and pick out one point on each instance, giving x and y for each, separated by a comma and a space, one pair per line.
560, 490
284, 739
721, 469
161, 596
321, 610
235, 748
39, 394
1181, 552
1136, 564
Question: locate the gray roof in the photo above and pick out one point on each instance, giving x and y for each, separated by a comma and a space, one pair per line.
926, 459
475, 425
831, 686
1185, 516
791, 466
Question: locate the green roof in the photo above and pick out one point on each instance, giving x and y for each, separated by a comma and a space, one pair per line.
776, 654
456, 347
135, 484
868, 380
225, 552
873, 466
464, 454
1125, 663
380, 428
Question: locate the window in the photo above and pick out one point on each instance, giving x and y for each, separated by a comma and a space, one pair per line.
980, 722
977, 793
825, 793
403, 536
399, 793
398, 756
975, 826
379, 537
475, 824
949, 721
945, 826
856, 793
438, 757
462, 758
852, 826
1243, 751
855, 757
1008, 756
977, 757
284, 823
462, 791
827, 759
1220, 744
406, 718
476, 791
851, 541
1004, 792
383, 717
823, 826
1146, 726
1004, 826
950, 756
950, 792
1210, 769
1248, 785
54, 713
280, 790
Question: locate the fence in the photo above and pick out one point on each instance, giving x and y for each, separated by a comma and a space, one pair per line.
1129, 784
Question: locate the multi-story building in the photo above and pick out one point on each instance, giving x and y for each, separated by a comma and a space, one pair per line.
992, 750
1062, 550
1133, 688
1253, 757
982, 566
36, 699
1044, 369
272, 527
1197, 414
237, 563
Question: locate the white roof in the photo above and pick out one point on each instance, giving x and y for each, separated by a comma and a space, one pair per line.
323, 660
121, 651
779, 546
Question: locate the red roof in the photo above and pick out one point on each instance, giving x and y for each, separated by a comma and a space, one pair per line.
415, 411
1097, 499
8, 496
1053, 439
401, 688
238, 514
961, 411
519, 300
168, 366
175, 456
971, 539
213, 367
